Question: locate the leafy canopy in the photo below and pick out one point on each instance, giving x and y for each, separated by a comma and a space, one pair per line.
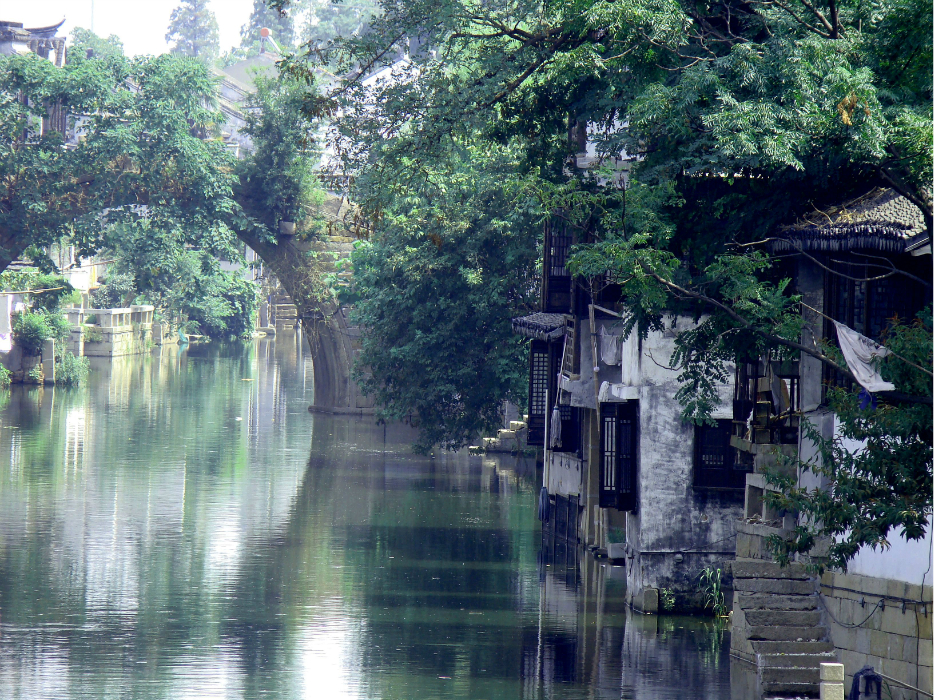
144, 151
448, 266
193, 30
729, 118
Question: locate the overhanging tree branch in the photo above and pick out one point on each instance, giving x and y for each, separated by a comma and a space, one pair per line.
776, 339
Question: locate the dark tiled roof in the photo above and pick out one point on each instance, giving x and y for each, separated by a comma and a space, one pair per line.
880, 220
539, 326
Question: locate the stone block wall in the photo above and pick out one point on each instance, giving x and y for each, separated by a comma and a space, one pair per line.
893, 637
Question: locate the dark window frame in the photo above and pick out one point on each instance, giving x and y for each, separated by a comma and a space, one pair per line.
619, 450
539, 371
716, 463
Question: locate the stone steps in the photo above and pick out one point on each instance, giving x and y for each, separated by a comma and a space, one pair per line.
783, 618
774, 586
776, 633
782, 624
768, 601
789, 691
781, 675
806, 660
769, 570
331, 247
769, 648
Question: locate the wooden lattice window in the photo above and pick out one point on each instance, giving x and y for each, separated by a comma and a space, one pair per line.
560, 244
557, 280
618, 436
538, 391
715, 463
539, 382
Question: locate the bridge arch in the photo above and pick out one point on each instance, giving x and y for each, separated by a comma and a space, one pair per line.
331, 337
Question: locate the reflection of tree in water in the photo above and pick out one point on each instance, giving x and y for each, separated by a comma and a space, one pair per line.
284, 577
112, 503
710, 637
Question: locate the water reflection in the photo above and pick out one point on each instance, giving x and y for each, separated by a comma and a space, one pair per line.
184, 528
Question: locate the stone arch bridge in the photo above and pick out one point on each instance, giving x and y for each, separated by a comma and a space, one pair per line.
299, 264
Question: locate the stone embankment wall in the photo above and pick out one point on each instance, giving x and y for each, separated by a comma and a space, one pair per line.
126, 331
881, 623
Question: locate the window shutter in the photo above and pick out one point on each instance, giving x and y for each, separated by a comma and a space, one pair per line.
618, 455
538, 388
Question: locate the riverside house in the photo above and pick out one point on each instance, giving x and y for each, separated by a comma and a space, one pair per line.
861, 264
623, 474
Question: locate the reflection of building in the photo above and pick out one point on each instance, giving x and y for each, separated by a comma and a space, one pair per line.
622, 470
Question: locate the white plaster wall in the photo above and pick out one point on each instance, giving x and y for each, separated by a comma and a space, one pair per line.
646, 362
673, 516
566, 474
907, 561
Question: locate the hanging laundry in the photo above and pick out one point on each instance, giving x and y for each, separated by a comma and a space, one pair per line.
859, 352
554, 435
609, 348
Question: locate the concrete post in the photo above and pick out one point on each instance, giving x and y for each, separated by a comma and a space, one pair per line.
48, 361
831, 682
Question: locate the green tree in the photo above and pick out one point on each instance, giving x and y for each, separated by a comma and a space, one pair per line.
277, 180
187, 283
85, 40
139, 154
325, 20
733, 119
451, 261
193, 30
884, 487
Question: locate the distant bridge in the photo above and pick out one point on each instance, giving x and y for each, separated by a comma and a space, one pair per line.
332, 338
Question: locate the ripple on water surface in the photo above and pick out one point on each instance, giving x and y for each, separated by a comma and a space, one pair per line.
173, 531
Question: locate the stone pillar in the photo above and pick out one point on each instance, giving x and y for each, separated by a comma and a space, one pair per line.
831, 682
48, 361
6, 306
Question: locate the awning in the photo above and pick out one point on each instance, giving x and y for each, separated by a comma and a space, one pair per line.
539, 326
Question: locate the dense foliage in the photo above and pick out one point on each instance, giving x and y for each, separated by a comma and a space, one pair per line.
43, 320
878, 469
84, 41
727, 119
452, 262
193, 30
31, 329
140, 155
188, 285
277, 181
148, 157
71, 370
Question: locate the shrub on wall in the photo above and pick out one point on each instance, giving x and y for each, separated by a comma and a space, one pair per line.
71, 370
30, 331
32, 328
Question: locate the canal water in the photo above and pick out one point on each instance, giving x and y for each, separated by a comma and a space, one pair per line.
183, 527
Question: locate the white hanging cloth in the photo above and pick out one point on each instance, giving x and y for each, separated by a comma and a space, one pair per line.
609, 348
554, 435
859, 352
